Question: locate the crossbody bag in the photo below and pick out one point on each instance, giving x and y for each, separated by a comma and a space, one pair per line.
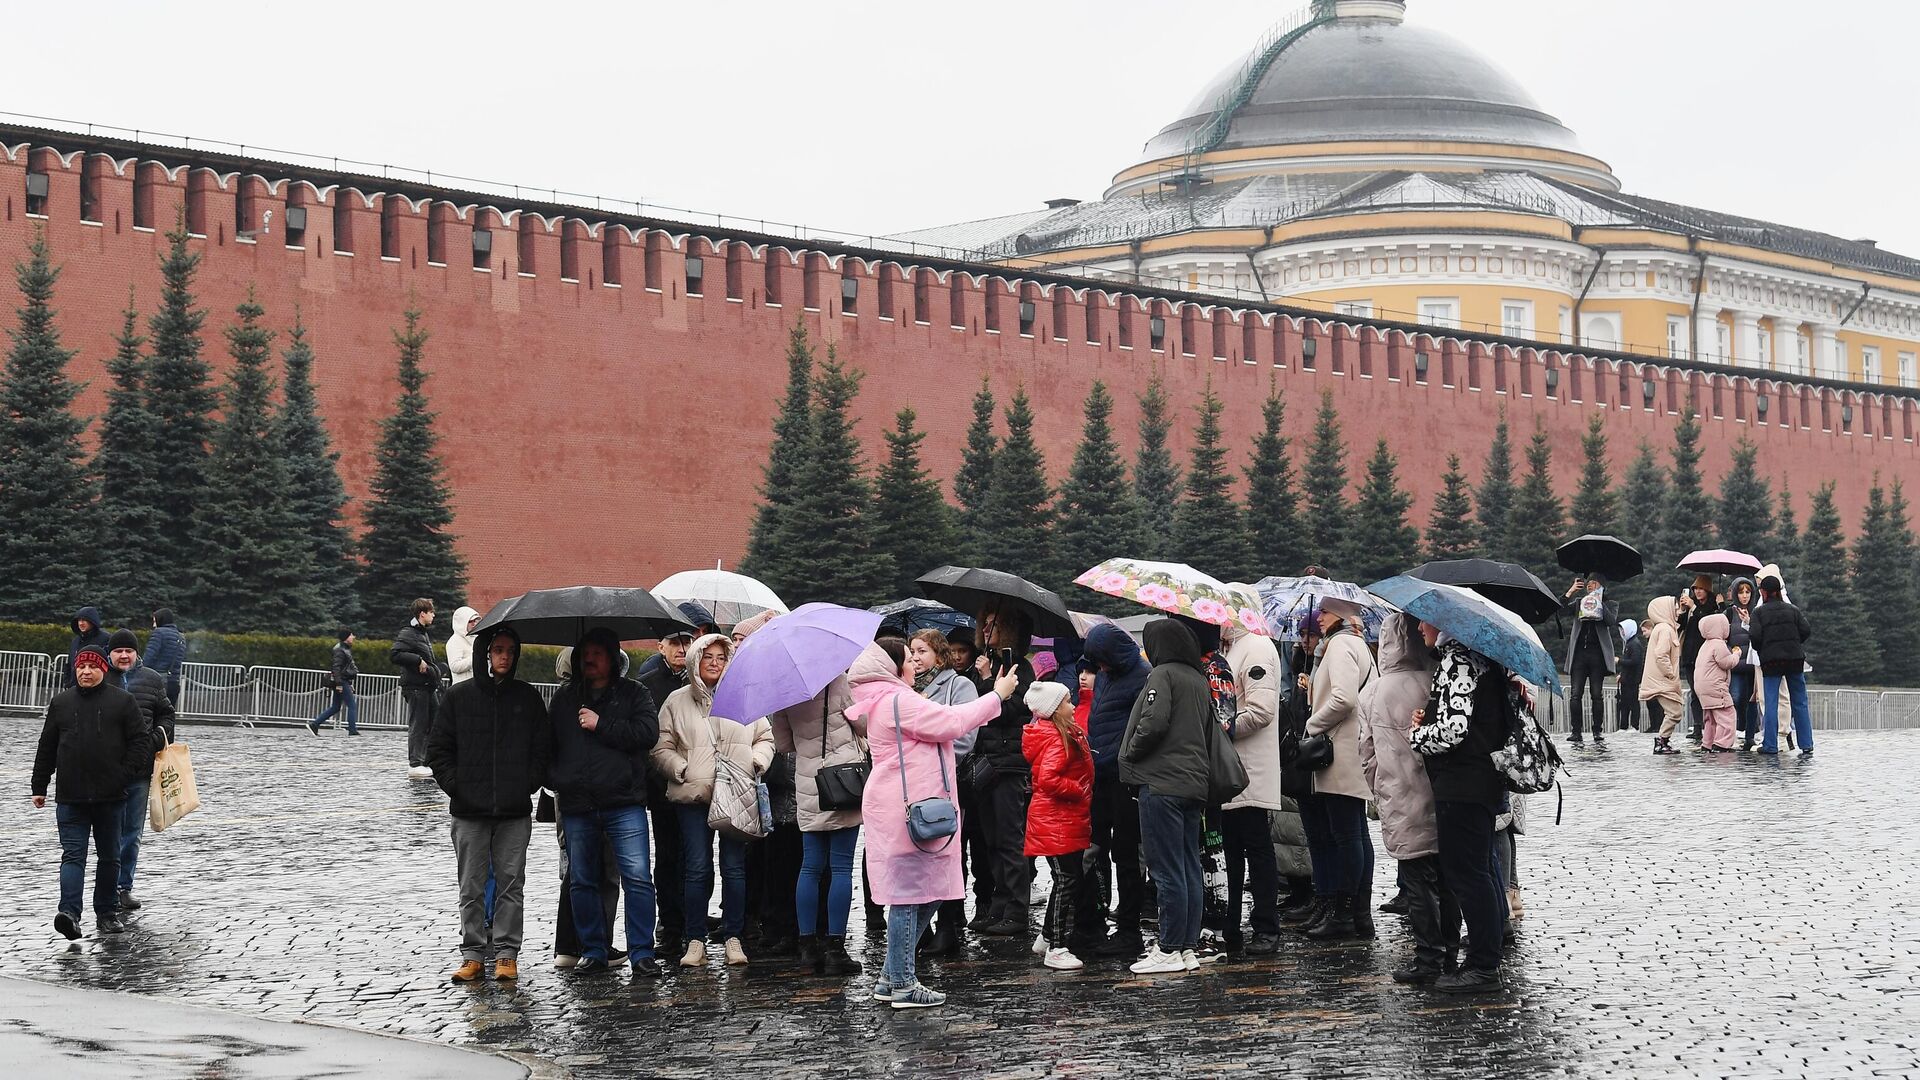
928, 819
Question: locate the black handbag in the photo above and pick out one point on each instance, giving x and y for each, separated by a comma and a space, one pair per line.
1315, 753
839, 787
1226, 776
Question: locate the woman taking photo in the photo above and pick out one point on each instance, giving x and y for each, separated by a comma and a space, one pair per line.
939, 674
912, 743
692, 740
1336, 813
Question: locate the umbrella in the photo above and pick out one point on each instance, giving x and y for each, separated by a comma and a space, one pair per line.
1177, 588
731, 597
692, 611
563, 616
791, 659
1511, 586
1720, 561
1085, 621
1607, 555
1474, 621
973, 589
1287, 601
914, 614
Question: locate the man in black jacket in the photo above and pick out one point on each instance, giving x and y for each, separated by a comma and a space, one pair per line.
1780, 633
94, 740
149, 690
1590, 653
1121, 673
489, 751
604, 728
344, 670
663, 673
87, 634
1004, 785
419, 684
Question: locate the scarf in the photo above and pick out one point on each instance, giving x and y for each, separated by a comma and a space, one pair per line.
924, 680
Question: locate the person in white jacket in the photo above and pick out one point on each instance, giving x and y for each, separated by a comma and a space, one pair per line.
1249, 845
460, 644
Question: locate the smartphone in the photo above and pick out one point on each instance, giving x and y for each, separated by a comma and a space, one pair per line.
1003, 660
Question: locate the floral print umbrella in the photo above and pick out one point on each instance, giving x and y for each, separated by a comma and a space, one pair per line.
1176, 588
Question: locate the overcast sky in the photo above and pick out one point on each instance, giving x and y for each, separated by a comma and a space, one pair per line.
871, 117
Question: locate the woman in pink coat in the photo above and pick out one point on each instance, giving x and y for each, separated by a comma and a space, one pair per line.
911, 737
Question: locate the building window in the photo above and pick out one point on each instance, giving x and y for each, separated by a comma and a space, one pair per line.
1516, 318
1799, 354
1676, 336
89, 192
1869, 364
296, 226
1722, 340
1839, 360
696, 276
1906, 369
482, 249
37, 193
1600, 331
1442, 313
1763, 357
342, 222
849, 294
1354, 309
1566, 325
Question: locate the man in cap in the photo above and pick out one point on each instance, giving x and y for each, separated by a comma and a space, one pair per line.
149, 690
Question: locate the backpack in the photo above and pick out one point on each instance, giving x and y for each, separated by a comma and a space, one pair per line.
1528, 761
1222, 689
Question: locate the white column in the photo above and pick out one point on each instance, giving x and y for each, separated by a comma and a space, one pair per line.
1746, 339
1786, 344
1824, 343
1706, 333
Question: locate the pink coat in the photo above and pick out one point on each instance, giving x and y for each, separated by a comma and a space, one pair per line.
898, 872
1713, 670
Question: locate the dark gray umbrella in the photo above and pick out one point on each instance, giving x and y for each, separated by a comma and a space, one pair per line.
1607, 555
1511, 586
913, 615
970, 589
563, 616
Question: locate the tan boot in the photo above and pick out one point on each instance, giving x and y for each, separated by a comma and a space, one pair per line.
506, 968
736, 956
1516, 909
469, 971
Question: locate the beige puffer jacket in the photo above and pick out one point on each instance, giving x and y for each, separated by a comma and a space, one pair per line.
1256, 682
1345, 667
691, 737
797, 731
1661, 678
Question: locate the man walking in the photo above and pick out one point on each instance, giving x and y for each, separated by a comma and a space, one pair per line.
419, 684
94, 740
344, 670
166, 651
489, 752
663, 673
604, 728
149, 690
1590, 653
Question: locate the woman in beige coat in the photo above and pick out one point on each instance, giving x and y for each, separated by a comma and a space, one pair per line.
818, 733
1251, 860
1401, 790
692, 739
1336, 813
1660, 682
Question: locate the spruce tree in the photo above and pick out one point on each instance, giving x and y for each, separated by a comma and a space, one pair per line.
264, 582
1883, 577
1783, 547
316, 498
182, 398
49, 543
1384, 544
1155, 477
912, 523
1844, 650
1536, 523
832, 534
1017, 533
1325, 481
1745, 506
975, 478
1209, 528
1687, 523
1273, 497
1098, 516
408, 549
766, 555
1596, 506
1493, 498
1643, 504
127, 463
1451, 530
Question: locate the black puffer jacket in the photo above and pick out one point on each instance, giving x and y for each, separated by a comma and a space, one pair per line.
149, 690
491, 743
411, 647
95, 638
1164, 748
1122, 675
1780, 633
95, 741
607, 767
1000, 742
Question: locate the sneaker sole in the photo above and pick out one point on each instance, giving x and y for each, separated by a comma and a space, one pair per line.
917, 1004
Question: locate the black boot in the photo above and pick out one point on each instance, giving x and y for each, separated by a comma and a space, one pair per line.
1337, 923
1301, 914
1362, 908
1315, 914
946, 939
1397, 905
836, 961
811, 955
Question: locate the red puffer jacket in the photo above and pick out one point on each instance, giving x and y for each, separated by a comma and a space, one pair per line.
1060, 816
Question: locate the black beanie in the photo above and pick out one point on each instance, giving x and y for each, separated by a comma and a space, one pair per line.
122, 639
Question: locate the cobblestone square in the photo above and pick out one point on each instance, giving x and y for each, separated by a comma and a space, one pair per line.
1692, 916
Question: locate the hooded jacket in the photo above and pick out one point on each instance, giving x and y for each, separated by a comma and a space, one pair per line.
413, 646
818, 733
1164, 748
1256, 734
1713, 668
1122, 675
1396, 775
1661, 676
491, 743
166, 646
1343, 670
95, 742
95, 638
149, 690
1060, 815
606, 768
1739, 624
692, 738
1633, 655
460, 647
1466, 720
1605, 629
1780, 632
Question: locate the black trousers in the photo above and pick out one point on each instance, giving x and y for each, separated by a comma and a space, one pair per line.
1068, 876
669, 879
1589, 671
1250, 860
1696, 720
975, 855
773, 877
1115, 857
1470, 870
1432, 911
1003, 809
422, 702
1626, 709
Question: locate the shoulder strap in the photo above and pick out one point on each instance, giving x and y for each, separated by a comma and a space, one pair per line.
899, 748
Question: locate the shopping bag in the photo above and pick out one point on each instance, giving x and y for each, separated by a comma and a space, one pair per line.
173, 794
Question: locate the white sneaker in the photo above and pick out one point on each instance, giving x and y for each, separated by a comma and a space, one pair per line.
420, 772
564, 961
695, 956
1039, 944
1062, 960
1159, 963
736, 956
1188, 960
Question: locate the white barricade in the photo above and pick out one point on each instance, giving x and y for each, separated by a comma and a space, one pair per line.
222, 692
381, 704
27, 681
1900, 709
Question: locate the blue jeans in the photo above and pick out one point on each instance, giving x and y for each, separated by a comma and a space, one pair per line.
625, 828
1170, 841
905, 924
696, 868
133, 824
342, 696
1802, 720
1746, 710
821, 852
76, 822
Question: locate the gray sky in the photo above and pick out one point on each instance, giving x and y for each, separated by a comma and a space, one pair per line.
871, 117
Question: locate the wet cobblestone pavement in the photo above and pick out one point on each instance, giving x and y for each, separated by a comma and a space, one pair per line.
1694, 916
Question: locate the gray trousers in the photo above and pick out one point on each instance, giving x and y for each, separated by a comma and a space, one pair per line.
499, 844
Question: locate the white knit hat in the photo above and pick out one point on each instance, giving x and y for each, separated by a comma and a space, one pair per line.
1045, 698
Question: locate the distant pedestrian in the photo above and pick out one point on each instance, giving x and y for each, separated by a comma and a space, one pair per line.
1660, 683
460, 654
149, 690
1633, 662
419, 684
93, 743
343, 670
1780, 634
489, 752
166, 652
1590, 652
1398, 778
1712, 683
1164, 753
87, 634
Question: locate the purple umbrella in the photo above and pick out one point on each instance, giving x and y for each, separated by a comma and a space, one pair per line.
791, 659
1720, 561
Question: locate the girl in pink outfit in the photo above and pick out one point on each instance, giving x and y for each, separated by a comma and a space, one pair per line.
1712, 683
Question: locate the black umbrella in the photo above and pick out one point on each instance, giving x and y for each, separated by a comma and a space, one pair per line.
1607, 555
563, 616
1512, 587
970, 589
913, 615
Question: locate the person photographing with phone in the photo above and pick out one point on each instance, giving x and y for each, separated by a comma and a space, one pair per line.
1591, 655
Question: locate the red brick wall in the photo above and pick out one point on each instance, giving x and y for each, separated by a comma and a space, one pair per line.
612, 435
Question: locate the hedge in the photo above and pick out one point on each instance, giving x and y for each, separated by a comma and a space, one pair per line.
270, 650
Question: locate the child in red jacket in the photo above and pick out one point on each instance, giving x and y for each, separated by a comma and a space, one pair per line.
1060, 814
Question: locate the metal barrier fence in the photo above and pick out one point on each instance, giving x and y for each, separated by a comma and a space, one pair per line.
26, 681
216, 692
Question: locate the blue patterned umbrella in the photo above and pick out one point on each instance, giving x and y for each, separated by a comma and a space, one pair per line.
1287, 603
1476, 622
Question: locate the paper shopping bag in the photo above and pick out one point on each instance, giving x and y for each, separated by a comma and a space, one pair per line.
173, 794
